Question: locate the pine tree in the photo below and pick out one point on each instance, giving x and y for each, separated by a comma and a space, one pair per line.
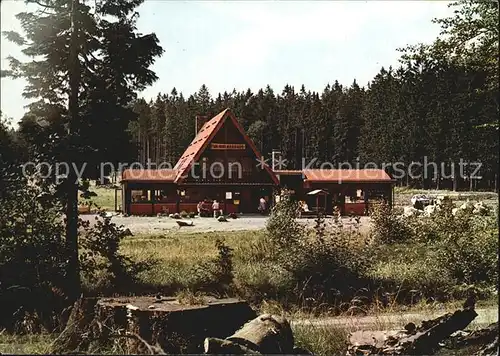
89, 63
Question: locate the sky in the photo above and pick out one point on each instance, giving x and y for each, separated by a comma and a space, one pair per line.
238, 45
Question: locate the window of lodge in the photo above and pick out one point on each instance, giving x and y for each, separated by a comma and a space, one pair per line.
355, 196
141, 196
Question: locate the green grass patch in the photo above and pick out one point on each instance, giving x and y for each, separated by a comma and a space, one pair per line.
321, 339
25, 344
177, 253
105, 198
410, 266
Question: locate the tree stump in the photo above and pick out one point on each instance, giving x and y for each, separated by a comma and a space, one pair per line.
72, 338
266, 334
150, 325
174, 327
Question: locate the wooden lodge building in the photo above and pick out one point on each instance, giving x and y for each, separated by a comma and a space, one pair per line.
223, 164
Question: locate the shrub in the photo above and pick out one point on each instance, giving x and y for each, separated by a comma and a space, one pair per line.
471, 255
324, 263
329, 262
388, 227
445, 253
283, 230
321, 339
215, 275
101, 262
33, 258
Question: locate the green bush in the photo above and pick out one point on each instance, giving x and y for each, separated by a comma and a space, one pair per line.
325, 262
33, 259
471, 255
33, 255
217, 274
283, 230
102, 264
445, 252
388, 226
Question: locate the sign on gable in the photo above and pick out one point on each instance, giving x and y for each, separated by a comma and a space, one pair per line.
227, 146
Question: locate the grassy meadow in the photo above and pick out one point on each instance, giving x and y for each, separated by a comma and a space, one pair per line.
408, 266
180, 260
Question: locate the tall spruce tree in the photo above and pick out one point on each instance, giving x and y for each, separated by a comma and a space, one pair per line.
88, 62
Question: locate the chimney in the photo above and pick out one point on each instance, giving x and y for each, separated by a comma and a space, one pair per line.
199, 122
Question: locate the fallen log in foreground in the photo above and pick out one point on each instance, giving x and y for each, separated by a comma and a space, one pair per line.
266, 334
491, 349
423, 340
483, 342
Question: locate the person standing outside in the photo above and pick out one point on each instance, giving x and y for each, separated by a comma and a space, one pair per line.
262, 205
216, 208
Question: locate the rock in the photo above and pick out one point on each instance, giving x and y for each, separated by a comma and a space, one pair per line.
468, 205
222, 218
480, 209
184, 223
127, 232
411, 211
429, 210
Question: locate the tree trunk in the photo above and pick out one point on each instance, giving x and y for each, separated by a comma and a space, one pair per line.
72, 185
266, 334
80, 319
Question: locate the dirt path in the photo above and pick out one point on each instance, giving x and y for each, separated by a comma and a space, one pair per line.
485, 317
157, 225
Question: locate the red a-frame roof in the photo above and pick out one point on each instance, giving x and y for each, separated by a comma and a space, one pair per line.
202, 140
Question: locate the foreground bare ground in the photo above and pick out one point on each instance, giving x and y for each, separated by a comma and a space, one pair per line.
485, 317
156, 225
